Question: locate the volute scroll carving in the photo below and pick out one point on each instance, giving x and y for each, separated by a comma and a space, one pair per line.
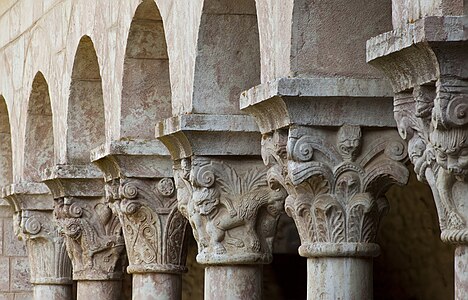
231, 207
34, 224
154, 229
93, 237
433, 120
336, 181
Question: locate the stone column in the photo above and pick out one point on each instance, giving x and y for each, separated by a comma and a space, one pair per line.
429, 74
34, 223
141, 190
325, 117
336, 179
223, 190
93, 234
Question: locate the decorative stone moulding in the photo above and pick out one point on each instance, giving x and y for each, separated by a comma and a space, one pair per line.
427, 64
93, 234
141, 191
222, 187
336, 164
50, 267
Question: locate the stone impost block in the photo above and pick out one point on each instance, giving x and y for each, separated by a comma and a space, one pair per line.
420, 53
216, 135
319, 102
141, 191
93, 234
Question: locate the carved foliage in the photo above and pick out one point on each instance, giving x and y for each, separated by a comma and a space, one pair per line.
93, 237
154, 230
433, 120
231, 208
48, 259
336, 190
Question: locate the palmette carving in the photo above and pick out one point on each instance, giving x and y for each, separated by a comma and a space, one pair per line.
93, 236
438, 147
34, 224
231, 208
154, 230
336, 186
48, 258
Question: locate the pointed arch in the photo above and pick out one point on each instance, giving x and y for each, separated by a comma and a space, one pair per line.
39, 140
228, 55
146, 87
85, 118
6, 166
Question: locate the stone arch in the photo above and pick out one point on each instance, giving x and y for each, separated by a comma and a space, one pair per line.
39, 140
146, 87
228, 56
85, 118
6, 166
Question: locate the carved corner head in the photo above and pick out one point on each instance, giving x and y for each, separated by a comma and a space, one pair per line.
349, 141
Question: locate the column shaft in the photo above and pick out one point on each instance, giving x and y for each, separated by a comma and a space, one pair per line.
345, 278
158, 286
461, 272
99, 289
242, 282
52, 291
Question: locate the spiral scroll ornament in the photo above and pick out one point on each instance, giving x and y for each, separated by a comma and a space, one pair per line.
128, 191
32, 226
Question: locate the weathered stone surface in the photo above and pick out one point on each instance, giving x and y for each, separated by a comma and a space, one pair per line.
93, 234
49, 265
430, 108
141, 191
231, 208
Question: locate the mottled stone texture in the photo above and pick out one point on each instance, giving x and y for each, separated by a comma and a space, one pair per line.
14, 267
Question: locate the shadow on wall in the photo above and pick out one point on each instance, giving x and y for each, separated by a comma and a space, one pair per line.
414, 263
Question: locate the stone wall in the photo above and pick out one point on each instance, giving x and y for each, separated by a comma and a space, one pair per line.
14, 268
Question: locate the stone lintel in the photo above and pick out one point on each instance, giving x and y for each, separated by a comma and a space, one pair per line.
209, 135
74, 181
319, 102
133, 159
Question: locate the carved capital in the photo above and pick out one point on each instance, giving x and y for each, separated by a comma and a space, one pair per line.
231, 207
429, 74
93, 237
154, 229
141, 191
93, 234
336, 180
438, 147
34, 223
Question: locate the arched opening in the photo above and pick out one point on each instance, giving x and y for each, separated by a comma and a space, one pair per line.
85, 120
146, 93
228, 56
39, 143
5, 145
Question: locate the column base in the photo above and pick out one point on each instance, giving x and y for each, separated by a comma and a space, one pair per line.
161, 286
52, 291
99, 289
345, 278
240, 282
